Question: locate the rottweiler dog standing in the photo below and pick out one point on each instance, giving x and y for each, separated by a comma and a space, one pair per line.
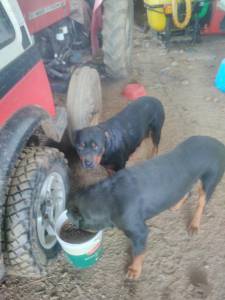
133, 195
112, 142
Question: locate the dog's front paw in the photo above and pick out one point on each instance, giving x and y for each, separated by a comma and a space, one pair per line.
134, 270
193, 229
133, 273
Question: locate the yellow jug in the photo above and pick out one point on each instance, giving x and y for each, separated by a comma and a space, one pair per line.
155, 14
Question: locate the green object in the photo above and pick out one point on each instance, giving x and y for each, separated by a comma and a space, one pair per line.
204, 9
85, 261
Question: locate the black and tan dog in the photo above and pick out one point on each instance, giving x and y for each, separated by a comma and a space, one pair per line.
112, 142
133, 195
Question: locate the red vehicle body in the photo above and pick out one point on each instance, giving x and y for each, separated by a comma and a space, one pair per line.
27, 104
20, 96
39, 15
214, 26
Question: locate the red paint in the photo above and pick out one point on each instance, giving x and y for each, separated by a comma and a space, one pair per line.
132, 91
32, 90
40, 22
93, 250
96, 25
43, 21
214, 25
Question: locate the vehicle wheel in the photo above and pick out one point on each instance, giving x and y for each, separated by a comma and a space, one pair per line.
118, 37
84, 99
36, 197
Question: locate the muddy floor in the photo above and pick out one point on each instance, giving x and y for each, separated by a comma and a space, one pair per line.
177, 266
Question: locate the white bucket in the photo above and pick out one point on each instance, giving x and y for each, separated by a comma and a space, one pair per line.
81, 255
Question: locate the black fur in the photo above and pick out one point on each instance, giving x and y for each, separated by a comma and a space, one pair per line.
112, 142
133, 195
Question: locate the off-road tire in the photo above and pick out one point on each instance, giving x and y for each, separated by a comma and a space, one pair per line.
24, 254
117, 36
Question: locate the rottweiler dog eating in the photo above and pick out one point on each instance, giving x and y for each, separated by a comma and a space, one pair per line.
112, 142
133, 195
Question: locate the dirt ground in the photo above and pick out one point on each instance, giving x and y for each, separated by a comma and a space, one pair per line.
177, 266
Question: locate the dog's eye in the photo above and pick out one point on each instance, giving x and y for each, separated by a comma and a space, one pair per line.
94, 146
81, 146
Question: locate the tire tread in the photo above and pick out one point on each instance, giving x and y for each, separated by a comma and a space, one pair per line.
19, 257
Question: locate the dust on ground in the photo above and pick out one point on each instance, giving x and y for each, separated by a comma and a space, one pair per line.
177, 266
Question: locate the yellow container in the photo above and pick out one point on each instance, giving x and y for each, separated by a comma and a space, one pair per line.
155, 14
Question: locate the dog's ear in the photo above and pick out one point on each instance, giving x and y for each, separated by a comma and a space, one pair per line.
73, 137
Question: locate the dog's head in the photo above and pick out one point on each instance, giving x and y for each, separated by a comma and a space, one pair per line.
90, 146
79, 212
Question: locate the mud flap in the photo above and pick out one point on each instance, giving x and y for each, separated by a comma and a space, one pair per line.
54, 128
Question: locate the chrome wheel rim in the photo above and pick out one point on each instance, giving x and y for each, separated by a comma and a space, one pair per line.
50, 205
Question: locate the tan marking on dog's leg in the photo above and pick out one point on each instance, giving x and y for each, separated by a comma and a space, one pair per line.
195, 223
155, 151
180, 203
134, 270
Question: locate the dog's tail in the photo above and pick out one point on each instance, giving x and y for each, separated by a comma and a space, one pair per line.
157, 123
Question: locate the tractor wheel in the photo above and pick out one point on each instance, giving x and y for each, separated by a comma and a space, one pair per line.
36, 197
84, 99
118, 37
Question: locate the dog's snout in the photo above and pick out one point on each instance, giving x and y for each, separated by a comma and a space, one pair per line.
88, 163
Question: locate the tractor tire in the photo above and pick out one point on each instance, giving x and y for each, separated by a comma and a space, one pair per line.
84, 99
117, 36
36, 197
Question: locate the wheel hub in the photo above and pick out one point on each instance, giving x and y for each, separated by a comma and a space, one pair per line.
50, 205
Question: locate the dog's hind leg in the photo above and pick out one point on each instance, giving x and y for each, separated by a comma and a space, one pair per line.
138, 237
180, 203
209, 182
195, 223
